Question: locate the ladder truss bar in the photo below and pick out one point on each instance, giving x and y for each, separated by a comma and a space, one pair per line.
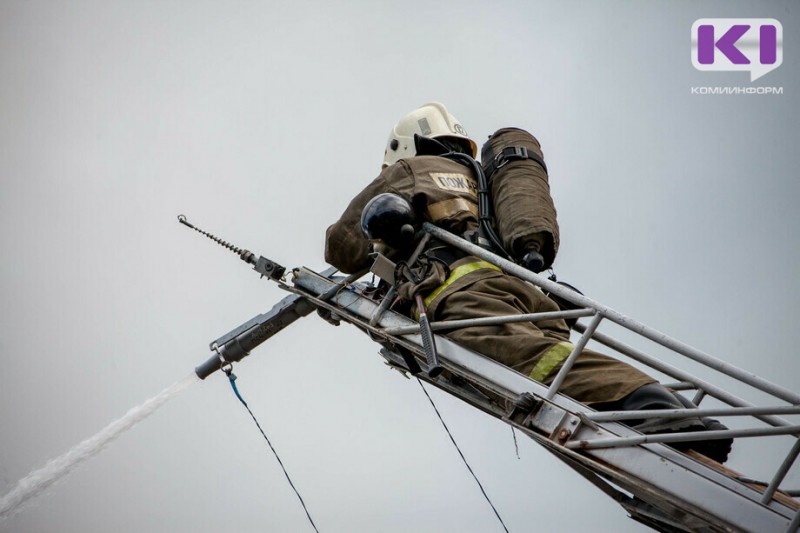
608, 416
617, 317
385, 303
670, 370
781, 473
341, 284
493, 320
591, 444
795, 525
701, 394
576, 351
680, 385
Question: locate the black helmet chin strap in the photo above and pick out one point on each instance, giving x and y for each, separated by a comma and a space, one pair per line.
429, 146
440, 145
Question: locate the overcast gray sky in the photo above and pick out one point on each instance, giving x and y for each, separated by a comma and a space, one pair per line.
259, 121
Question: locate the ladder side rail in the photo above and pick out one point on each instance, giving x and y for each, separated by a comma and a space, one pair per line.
608, 416
686, 436
616, 317
783, 469
566, 366
680, 385
649, 468
444, 325
764, 414
674, 372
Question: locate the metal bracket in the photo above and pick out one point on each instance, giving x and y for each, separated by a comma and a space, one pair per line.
384, 268
268, 268
397, 354
557, 423
526, 405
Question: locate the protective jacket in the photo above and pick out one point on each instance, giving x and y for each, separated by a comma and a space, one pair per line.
444, 192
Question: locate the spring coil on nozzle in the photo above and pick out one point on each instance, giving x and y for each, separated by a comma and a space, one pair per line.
244, 255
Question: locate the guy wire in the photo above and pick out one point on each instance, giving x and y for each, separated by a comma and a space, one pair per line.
232, 379
453, 440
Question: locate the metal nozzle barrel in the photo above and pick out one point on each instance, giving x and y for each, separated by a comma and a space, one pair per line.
209, 367
237, 344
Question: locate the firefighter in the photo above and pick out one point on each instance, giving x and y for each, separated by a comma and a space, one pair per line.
429, 174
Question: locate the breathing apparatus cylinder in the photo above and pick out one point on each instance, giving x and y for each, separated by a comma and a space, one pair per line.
524, 212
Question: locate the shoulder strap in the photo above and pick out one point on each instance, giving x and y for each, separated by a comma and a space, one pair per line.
508, 154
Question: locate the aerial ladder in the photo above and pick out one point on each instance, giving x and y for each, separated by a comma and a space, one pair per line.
665, 489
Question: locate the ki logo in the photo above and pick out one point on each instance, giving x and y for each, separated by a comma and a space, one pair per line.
754, 45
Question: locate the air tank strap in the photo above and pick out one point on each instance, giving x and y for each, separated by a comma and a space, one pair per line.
511, 153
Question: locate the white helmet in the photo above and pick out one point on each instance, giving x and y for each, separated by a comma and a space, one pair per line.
431, 120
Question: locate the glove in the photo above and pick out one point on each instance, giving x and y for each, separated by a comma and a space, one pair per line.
428, 279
